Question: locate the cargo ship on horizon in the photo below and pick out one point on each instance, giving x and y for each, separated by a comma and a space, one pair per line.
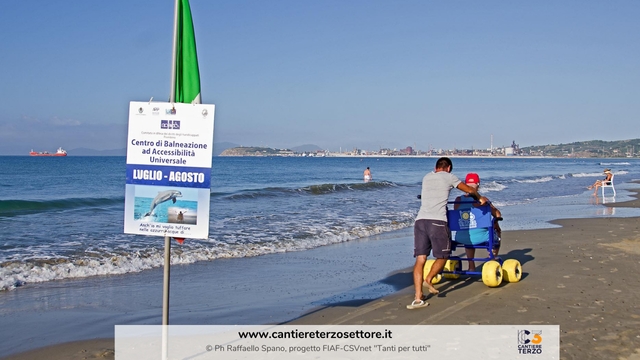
59, 152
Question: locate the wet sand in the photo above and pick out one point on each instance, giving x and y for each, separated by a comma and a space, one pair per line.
582, 276
585, 280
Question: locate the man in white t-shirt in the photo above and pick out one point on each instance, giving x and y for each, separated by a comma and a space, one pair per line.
430, 230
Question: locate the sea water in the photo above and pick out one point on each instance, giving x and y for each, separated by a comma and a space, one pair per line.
62, 217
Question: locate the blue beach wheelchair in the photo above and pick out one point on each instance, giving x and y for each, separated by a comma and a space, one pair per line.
473, 228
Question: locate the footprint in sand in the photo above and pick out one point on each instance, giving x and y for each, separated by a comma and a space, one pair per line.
532, 297
561, 286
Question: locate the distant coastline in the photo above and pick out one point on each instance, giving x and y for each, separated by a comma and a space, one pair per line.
582, 149
269, 152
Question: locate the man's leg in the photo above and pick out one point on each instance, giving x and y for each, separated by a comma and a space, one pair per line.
440, 240
436, 268
417, 275
421, 249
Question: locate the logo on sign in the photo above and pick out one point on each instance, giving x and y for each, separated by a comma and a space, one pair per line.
530, 342
171, 111
170, 124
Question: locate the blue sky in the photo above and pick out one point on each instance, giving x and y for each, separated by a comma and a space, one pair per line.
353, 73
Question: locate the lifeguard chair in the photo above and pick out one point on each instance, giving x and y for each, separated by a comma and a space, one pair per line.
461, 221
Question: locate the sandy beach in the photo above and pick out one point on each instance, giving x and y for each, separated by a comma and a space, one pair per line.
581, 276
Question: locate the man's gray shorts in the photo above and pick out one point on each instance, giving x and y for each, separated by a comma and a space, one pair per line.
431, 235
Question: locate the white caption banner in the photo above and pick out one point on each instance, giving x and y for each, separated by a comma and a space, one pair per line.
138, 342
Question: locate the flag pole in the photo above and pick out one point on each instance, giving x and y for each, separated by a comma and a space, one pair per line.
167, 239
165, 298
172, 96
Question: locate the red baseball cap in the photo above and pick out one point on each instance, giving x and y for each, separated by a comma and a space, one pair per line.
472, 178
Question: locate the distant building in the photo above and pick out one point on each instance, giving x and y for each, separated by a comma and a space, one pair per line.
515, 147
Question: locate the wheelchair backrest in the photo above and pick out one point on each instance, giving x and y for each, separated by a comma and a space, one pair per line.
470, 218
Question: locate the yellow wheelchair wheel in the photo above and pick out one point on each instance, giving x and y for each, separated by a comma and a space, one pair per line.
427, 267
512, 270
492, 273
452, 265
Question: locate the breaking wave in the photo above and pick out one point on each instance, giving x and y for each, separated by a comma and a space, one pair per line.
9, 208
15, 273
536, 180
311, 190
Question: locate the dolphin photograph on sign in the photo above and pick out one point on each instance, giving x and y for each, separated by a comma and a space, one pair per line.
172, 205
169, 150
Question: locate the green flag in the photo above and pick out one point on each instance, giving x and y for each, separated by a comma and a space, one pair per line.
187, 75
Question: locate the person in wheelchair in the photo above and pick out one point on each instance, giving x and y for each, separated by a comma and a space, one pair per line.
476, 236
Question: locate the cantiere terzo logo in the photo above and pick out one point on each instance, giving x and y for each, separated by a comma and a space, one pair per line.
530, 342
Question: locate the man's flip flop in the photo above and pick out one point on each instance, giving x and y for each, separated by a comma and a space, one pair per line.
417, 304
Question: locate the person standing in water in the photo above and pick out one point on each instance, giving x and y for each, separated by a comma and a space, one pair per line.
367, 174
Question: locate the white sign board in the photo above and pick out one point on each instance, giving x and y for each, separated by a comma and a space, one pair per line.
169, 151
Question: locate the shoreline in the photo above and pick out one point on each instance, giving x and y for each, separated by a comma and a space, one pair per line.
583, 282
338, 155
